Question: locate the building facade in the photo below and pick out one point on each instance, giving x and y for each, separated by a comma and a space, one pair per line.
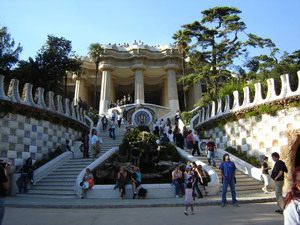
145, 74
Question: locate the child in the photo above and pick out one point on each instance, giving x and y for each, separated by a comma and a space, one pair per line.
189, 202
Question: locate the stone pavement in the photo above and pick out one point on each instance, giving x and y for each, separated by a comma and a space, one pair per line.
246, 214
25, 202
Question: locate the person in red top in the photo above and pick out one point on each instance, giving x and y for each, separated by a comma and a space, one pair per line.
190, 141
210, 150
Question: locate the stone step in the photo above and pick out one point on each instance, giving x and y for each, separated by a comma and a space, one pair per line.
54, 187
65, 173
60, 170
63, 176
55, 183
70, 167
57, 179
52, 192
30, 195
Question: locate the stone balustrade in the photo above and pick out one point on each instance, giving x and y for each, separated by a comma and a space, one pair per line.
213, 111
53, 104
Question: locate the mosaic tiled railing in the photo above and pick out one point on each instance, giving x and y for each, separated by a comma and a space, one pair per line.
53, 104
216, 110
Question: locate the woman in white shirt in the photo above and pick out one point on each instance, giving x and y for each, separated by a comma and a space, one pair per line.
292, 201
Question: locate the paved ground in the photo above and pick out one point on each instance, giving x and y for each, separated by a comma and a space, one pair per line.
258, 213
35, 202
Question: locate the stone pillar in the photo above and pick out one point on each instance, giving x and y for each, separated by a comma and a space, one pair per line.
105, 95
81, 91
172, 87
139, 95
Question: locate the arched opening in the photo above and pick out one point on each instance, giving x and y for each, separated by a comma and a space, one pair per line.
297, 158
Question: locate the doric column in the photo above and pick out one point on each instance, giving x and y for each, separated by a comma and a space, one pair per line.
139, 95
172, 87
105, 96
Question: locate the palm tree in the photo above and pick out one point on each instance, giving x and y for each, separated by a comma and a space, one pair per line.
95, 52
181, 41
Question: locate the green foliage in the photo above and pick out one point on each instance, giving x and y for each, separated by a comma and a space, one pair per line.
187, 116
50, 67
244, 156
169, 153
9, 54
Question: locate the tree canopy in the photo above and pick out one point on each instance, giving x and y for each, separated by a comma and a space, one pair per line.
9, 53
49, 68
218, 48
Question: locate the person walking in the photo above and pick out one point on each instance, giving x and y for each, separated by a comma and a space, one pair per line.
122, 181
210, 151
196, 144
95, 144
4, 186
189, 199
265, 174
112, 130
278, 176
104, 122
292, 201
178, 181
228, 169
119, 119
190, 141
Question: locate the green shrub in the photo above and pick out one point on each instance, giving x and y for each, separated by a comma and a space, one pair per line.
187, 116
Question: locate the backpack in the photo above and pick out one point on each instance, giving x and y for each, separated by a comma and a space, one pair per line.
142, 193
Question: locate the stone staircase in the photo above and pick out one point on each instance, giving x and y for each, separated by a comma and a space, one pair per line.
60, 182
244, 184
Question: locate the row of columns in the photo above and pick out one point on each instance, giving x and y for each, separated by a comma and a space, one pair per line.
105, 95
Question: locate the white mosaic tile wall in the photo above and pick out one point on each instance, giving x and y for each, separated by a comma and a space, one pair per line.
258, 135
22, 137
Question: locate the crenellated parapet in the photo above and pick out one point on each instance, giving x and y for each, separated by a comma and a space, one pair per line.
53, 104
232, 103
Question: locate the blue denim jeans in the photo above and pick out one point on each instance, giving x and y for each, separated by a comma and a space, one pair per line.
2, 210
211, 157
179, 187
112, 133
231, 183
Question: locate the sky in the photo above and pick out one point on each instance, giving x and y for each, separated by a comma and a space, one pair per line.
151, 21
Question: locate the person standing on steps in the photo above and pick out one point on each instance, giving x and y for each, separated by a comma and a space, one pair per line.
278, 176
228, 169
265, 174
211, 151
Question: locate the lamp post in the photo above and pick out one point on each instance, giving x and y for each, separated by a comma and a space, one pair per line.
97, 62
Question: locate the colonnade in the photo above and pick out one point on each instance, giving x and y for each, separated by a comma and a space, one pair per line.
139, 96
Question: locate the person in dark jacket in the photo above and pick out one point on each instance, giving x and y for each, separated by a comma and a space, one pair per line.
278, 176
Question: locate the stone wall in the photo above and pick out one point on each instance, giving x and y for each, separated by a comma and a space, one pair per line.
32, 127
